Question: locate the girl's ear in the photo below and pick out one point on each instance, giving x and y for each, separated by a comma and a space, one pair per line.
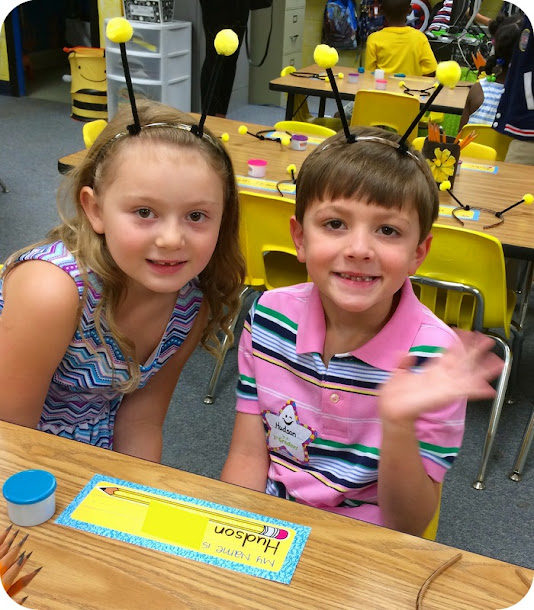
297, 234
92, 209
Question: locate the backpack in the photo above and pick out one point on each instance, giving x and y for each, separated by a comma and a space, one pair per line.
371, 20
340, 24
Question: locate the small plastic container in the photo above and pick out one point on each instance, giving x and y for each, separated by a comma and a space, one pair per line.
30, 497
257, 168
299, 142
361, 70
379, 74
381, 84
353, 77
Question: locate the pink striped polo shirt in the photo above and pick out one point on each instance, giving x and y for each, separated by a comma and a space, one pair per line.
321, 423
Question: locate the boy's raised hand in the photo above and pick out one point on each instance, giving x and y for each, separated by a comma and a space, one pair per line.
464, 370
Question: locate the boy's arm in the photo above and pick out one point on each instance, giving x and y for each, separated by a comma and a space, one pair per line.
407, 496
247, 463
473, 102
37, 324
370, 54
140, 418
427, 61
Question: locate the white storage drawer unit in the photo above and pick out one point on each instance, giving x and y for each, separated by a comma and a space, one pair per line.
159, 56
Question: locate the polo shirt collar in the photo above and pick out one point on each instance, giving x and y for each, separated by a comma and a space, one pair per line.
384, 349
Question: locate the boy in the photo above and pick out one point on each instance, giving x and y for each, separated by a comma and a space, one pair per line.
349, 427
399, 48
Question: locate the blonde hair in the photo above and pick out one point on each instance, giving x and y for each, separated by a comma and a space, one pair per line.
220, 281
371, 170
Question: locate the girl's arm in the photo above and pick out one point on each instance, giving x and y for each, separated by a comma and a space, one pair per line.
139, 423
37, 324
247, 463
407, 496
474, 100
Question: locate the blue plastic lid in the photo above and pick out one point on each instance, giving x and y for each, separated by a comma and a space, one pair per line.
29, 486
361, 70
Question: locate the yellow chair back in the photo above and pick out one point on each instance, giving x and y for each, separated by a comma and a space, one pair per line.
432, 528
473, 259
270, 254
473, 149
489, 137
384, 108
309, 129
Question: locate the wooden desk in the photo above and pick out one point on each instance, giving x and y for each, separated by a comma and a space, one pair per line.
449, 100
345, 563
493, 191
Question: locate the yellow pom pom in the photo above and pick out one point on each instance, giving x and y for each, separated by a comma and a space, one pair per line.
242, 129
291, 168
528, 198
226, 42
225, 137
445, 185
325, 56
341, 75
448, 73
286, 140
402, 83
435, 85
119, 30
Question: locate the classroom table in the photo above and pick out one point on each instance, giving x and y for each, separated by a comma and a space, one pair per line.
495, 191
345, 563
448, 100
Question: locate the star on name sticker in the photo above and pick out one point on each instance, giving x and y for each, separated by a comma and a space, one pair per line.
287, 433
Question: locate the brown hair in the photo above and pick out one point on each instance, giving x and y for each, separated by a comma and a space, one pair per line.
371, 170
220, 281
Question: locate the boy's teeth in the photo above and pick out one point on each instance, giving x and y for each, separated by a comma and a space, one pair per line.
164, 264
356, 278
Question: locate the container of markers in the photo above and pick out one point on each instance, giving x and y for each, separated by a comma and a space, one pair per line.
443, 158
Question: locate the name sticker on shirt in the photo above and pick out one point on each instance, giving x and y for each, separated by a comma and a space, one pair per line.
284, 431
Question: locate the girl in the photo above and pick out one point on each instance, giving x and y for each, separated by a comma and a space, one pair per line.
484, 96
145, 267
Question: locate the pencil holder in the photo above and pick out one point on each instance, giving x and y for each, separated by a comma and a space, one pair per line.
30, 497
442, 158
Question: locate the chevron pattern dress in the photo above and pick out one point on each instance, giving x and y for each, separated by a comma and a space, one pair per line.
82, 403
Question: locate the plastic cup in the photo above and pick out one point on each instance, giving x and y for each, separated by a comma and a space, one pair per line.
257, 168
381, 84
299, 142
353, 77
30, 497
379, 74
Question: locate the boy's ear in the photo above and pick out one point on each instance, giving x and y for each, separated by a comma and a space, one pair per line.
297, 234
420, 253
92, 209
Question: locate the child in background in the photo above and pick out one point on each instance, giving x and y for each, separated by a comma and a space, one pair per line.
399, 48
98, 320
484, 96
329, 411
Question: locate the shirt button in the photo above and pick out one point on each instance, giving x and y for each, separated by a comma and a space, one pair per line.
495, 124
334, 398
498, 115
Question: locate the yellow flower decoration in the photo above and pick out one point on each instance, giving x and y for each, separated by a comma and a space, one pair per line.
443, 164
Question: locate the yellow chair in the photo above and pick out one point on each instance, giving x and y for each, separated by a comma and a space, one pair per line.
432, 528
473, 149
387, 109
309, 129
92, 130
489, 137
302, 112
463, 281
269, 251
